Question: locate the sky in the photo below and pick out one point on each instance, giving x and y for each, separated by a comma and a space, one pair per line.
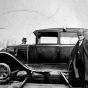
19, 18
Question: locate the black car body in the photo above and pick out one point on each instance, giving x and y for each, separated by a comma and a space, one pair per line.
51, 51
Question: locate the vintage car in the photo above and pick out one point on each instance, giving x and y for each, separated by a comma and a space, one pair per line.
50, 54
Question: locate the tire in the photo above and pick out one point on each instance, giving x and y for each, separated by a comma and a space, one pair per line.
5, 73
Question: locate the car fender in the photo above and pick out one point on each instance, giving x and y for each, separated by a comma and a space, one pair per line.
11, 60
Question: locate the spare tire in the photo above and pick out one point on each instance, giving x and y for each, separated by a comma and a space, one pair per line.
5, 73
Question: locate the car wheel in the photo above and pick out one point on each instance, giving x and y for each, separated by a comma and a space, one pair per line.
4, 72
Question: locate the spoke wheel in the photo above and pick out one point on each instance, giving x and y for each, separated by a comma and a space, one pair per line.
4, 72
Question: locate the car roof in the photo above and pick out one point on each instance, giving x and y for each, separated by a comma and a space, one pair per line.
58, 30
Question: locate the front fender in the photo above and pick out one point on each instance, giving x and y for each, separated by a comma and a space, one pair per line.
12, 61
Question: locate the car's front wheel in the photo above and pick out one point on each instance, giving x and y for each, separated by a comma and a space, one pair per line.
5, 72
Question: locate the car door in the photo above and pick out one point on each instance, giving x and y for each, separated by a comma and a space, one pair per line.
67, 41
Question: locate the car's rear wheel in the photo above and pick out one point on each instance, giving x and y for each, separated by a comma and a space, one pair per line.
5, 72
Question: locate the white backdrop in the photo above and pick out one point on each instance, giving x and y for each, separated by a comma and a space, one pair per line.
19, 18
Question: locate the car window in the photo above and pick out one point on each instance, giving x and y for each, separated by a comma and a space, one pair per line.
48, 37
46, 40
68, 38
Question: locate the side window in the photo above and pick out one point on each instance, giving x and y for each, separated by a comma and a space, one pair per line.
52, 40
48, 38
68, 38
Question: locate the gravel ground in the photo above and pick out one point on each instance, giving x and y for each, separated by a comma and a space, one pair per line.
5, 86
32, 85
16, 84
